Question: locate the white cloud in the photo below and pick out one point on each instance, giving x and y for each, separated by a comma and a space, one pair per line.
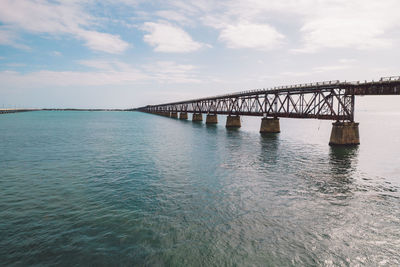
344, 32
108, 65
356, 24
313, 24
104, 42
103, 72
7, 37
250, 35
347, 60
48, 17
168, 38
48, 78
172, 15
308, 25
330, 68
171, 72
343, 65
159, 71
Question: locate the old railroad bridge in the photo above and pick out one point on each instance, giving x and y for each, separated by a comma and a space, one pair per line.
331, 100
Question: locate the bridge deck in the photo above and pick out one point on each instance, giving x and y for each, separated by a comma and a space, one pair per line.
330, 100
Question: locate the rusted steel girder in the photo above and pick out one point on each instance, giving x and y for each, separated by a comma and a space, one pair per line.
331, 100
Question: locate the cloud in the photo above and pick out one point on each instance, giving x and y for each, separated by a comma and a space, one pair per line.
108, 65
165, 37
7, 37
48, 78
56, 18
103, 72
330, 68
341, 66
171, 72
356, 24
303, 26
344, 31
347, 60
313, 24
104, 42
172, 15
250, 35
159, 71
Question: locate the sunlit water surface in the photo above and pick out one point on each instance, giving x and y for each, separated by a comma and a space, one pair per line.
127, 188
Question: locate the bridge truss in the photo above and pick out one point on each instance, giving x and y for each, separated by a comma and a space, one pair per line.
332, 100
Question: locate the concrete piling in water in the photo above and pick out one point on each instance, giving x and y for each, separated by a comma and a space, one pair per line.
233, 122
211, 119
270, 125
174, 115
183, 116
197, 117
344, 133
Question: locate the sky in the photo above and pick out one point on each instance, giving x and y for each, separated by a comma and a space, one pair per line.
130, 53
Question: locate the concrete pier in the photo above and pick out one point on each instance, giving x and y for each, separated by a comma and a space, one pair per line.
211, 119
270, 125
183, 116
344, 133
174, 115
197, 117
233, 121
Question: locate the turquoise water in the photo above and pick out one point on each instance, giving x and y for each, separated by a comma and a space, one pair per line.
128, 188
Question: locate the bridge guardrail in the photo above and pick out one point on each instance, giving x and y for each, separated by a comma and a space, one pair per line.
301, 86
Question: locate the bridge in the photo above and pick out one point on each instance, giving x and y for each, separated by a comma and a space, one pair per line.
329, 100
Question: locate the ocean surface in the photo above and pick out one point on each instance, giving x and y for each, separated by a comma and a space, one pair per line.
135, 189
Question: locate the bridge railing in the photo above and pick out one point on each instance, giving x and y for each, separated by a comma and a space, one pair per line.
352, 87
390, 78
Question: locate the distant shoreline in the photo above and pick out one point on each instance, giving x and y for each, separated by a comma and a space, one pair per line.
6, 111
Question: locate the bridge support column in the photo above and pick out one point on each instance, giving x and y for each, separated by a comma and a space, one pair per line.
270, 125
174, 115
233, 121
197, 117
211, 119
344, 133
183, 116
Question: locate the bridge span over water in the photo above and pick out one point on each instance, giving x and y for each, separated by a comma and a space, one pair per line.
329, 100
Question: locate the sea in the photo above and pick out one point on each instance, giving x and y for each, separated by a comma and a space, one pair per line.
80, 188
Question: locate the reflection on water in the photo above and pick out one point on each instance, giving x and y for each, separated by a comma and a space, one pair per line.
343, 159
268, 148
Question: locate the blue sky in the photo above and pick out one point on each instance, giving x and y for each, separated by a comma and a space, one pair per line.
129, 53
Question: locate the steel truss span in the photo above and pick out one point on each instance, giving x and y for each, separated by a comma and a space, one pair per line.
332, 100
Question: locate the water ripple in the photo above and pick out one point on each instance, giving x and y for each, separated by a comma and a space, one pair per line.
135, 189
